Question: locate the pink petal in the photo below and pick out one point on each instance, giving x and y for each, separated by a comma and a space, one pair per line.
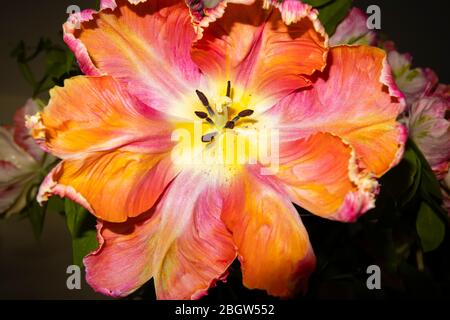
430, 130
353, 30
22, 134
355, 99
144, 46
182, 243
263, 57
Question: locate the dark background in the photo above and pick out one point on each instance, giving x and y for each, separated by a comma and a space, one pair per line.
36, 269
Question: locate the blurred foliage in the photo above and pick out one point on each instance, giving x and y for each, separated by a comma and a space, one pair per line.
81, 225
331, 12
59, 63
43, 66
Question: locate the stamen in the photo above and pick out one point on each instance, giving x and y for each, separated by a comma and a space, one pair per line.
242, 114
230, 125
210, 121
229, 89
205, 102
201, 114
235, 119
209, 136
245, 113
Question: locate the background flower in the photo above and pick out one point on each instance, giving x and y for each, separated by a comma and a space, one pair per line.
22, 163
353, 30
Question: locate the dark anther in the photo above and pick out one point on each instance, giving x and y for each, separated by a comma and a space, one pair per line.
209, 121
209, 137
201, 114
229, 125
229, 89
202, 98
245, 113
205, 102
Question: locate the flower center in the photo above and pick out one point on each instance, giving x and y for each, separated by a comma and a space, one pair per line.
217, 116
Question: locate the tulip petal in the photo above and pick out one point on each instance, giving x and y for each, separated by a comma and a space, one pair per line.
123, 261
144, 46
204, 12
262, 56
9, 196
412, 82
92, 114
21, 133
355, 99
430, 130
321, 175
115, 150
112, 185
15, 163
273, 245
17, 173
195, 248
183, 244
353, 30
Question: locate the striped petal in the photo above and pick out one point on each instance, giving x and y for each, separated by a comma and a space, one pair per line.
430, 130
353, 30
262, 56
115, 150
273, 245
355, 99
145, 46
321, 175
204, 12
182, 244
22, 135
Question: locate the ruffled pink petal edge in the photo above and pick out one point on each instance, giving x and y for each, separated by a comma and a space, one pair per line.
358, 202
51, 187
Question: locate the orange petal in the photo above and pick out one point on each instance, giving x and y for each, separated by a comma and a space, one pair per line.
322, 176
262, 56
183, 244
115, 150
93, 114
205, 12
113, 185
144, 46
355, 99
273, 245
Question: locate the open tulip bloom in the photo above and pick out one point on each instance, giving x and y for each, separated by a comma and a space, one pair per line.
191, 140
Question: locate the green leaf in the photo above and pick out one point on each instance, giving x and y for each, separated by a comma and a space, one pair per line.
83, 245
317, 3
429, 189
36, 215
74, 216
332, 14
27, 73
430, 228
81, 225
55, 205
403, 181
